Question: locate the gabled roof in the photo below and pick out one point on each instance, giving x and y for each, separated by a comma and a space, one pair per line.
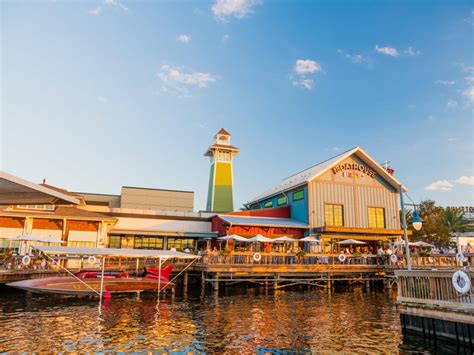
223, 131
14, 190
305, 176
263, 221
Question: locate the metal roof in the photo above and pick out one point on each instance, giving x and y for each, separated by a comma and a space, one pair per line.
263, 221
128, 253
15, 191
303, 177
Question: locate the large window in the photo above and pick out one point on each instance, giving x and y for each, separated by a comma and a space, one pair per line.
114, 241
298, 195
333, 215
145, 242
180, 243
281, 201
376, 217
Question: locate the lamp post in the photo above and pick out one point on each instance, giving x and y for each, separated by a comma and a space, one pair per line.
416, 222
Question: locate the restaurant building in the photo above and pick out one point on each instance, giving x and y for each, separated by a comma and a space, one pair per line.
137, 218
349, 196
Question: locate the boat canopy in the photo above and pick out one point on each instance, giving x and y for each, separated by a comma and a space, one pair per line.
127, 253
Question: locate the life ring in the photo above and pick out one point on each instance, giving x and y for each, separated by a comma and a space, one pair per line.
461, 282
341, 258
257, 257
394, 258
26, 260
460, 257
91, 260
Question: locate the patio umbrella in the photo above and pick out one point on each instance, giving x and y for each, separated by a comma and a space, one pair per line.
260, 238
402, 243
423, 244
30, 238
284, 239
350, 241
309, 239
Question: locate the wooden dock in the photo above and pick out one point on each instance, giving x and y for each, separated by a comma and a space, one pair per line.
431, 306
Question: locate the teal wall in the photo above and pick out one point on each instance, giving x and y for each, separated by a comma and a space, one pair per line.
299, 209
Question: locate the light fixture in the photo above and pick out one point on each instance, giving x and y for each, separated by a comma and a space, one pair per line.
416, 221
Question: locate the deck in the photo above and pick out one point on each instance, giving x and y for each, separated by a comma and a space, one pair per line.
430, 305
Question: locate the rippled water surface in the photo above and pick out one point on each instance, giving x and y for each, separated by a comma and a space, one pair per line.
242, 321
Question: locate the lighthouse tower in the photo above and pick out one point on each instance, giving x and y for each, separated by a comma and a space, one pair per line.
221, 153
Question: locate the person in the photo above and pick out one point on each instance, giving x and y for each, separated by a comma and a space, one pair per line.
468, 248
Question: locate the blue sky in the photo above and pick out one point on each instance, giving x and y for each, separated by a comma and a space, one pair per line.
100, 94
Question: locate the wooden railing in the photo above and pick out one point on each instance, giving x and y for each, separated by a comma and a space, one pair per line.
446, 261
433, 287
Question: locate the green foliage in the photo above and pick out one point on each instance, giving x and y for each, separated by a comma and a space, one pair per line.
454, 220
434, 230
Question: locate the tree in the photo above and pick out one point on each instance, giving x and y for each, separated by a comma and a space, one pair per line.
434, 231
454, 220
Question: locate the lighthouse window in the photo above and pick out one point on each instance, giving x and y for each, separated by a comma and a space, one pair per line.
223, 156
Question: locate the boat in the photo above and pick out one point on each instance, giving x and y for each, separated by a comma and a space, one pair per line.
103, 281
88, 282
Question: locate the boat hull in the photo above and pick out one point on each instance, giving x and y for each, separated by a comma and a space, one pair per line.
68, 285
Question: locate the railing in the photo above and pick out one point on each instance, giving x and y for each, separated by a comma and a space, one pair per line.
433, 287
247, 258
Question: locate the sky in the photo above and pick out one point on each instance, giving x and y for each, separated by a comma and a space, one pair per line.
100, 94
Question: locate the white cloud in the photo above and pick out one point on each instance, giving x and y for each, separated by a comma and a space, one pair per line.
469, 79
102, 99
452, 104
465, 180
412, 51
301, 70
179, 81
353, 57
184, 38
116, 3
469, 93
307, 84
306, 66
96, 11
440, 185
445, 82
224, 9
225, 38
390, 51
453, 139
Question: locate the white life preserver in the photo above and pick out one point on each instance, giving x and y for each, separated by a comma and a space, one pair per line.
341, 258
394, 258
257, 257
26, 260
461, 282
91, 260
460, 257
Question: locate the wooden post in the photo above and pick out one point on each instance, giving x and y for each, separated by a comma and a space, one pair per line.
216, 282
185, 281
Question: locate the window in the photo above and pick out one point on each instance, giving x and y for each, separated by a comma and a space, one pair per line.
298, 195
180, 243
268, 204
376, 217
223, 156
36, 207
333, 215
79, 244
145, 242
114, 241
281, 201
255, 206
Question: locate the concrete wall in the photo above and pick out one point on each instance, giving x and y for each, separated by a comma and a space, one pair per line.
138, 198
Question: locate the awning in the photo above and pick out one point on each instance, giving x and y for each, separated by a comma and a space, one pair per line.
263, 221
127, 253
147, 232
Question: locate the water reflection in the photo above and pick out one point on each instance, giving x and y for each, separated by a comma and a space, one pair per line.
241, 322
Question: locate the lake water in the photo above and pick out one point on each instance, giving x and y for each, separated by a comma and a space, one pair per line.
240, 321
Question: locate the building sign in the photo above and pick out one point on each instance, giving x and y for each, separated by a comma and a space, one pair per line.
354, 170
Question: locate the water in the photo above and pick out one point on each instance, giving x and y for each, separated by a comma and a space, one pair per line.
243, 321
